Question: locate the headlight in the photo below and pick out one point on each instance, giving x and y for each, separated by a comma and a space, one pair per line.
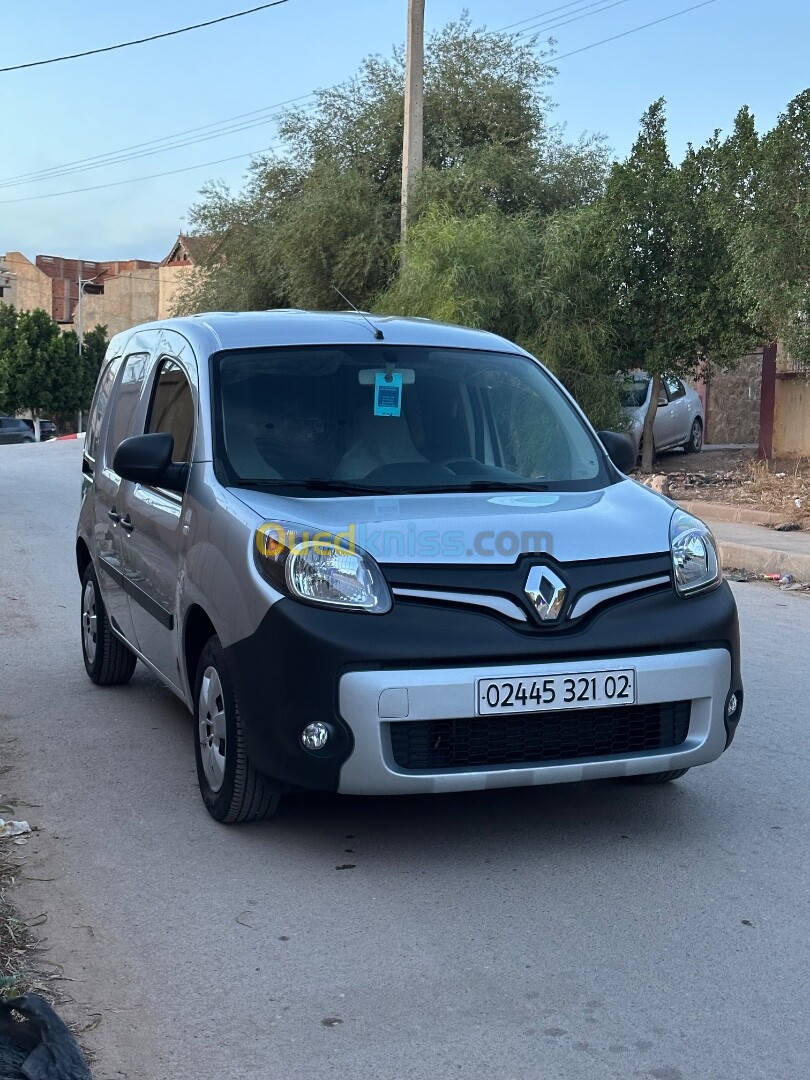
320, 567
694, 554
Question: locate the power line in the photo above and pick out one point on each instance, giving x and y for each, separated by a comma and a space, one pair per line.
531, 30
236, 157
538, 15
242, 121
109, 162
142, 41
137, 179
634, 30
249, 120
98, 160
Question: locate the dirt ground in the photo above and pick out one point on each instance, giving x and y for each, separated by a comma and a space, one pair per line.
736, 477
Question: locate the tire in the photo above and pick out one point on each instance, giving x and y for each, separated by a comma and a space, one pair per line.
107, 660
694, 443
231, 788
657, 777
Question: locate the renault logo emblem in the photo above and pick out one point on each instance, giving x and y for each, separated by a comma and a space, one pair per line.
546, 591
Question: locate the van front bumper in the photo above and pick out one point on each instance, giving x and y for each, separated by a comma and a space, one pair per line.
305, 664
700, 680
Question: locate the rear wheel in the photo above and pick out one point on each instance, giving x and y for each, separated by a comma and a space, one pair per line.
231, 788
657, 777
107, 660
694, 444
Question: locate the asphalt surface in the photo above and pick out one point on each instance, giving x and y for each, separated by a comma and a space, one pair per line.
583, 931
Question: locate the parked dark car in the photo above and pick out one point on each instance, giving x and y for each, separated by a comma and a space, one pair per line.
47, 429
13, 430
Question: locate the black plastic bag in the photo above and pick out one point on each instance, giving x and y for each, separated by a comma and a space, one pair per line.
39, 1048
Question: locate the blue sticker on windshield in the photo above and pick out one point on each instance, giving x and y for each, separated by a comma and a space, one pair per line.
388, 393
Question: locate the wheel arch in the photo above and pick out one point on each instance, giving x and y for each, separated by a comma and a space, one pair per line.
198, 628
83, 557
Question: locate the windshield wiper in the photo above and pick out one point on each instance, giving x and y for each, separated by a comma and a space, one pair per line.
505, 485
342, 487
346, 487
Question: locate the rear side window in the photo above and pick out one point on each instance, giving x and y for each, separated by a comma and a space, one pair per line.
99, 406
172, 409
675, 387
125, 402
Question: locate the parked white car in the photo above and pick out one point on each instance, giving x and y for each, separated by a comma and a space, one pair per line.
679, 420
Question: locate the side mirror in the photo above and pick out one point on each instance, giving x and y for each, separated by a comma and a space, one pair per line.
147, 459
662, 401
620, 449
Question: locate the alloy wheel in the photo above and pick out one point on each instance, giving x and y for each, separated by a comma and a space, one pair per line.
89, 621
696, 438
211, 721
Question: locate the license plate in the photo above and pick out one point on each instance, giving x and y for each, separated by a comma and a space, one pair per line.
551, 693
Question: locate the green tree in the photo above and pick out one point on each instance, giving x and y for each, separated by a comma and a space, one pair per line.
80, 372
41, 367
480, 271
668, 266
536, 281
768, 212
575, 335
8, 336
36, 351
328, 211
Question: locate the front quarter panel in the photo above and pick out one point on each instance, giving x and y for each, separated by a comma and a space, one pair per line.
220, 573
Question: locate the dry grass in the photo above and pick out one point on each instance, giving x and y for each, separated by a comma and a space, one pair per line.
780, 487
16, 939
21, 963
783, 489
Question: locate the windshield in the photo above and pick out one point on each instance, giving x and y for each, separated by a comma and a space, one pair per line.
396, 419
633, 391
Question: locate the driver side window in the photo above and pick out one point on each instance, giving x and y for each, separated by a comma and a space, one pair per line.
172, 409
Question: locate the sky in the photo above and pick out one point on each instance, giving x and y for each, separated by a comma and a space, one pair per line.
707, 63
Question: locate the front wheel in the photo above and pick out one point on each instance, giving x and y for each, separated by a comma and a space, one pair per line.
657, 777
231, 788
107, 660
695, 442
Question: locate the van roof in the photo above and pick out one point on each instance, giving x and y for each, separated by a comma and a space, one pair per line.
292, 326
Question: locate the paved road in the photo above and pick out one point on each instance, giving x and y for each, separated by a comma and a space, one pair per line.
584, 932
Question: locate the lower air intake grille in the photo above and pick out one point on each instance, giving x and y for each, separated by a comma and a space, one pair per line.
531, 738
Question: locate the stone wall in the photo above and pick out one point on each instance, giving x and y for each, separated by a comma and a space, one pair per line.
128, 299
732, 403
791, 416
171, 279
28, 287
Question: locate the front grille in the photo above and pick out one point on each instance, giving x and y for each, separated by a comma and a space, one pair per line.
532, 738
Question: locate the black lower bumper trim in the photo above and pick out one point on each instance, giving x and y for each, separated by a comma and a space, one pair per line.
538, 738
287, 673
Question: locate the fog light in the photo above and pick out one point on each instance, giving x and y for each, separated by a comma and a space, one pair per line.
314, 736
731, 705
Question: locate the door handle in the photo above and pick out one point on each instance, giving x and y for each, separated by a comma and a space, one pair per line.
126, 523
113, 515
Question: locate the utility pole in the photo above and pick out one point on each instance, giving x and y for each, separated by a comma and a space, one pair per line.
80, 334
82, 283
414, 109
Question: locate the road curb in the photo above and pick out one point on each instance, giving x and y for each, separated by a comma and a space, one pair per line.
762, 561
713, 511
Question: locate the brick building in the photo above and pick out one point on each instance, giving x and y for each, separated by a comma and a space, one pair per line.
117, 294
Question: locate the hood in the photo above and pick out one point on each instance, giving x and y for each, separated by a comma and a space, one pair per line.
622, 520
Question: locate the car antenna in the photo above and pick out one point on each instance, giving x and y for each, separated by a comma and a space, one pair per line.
378, 334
